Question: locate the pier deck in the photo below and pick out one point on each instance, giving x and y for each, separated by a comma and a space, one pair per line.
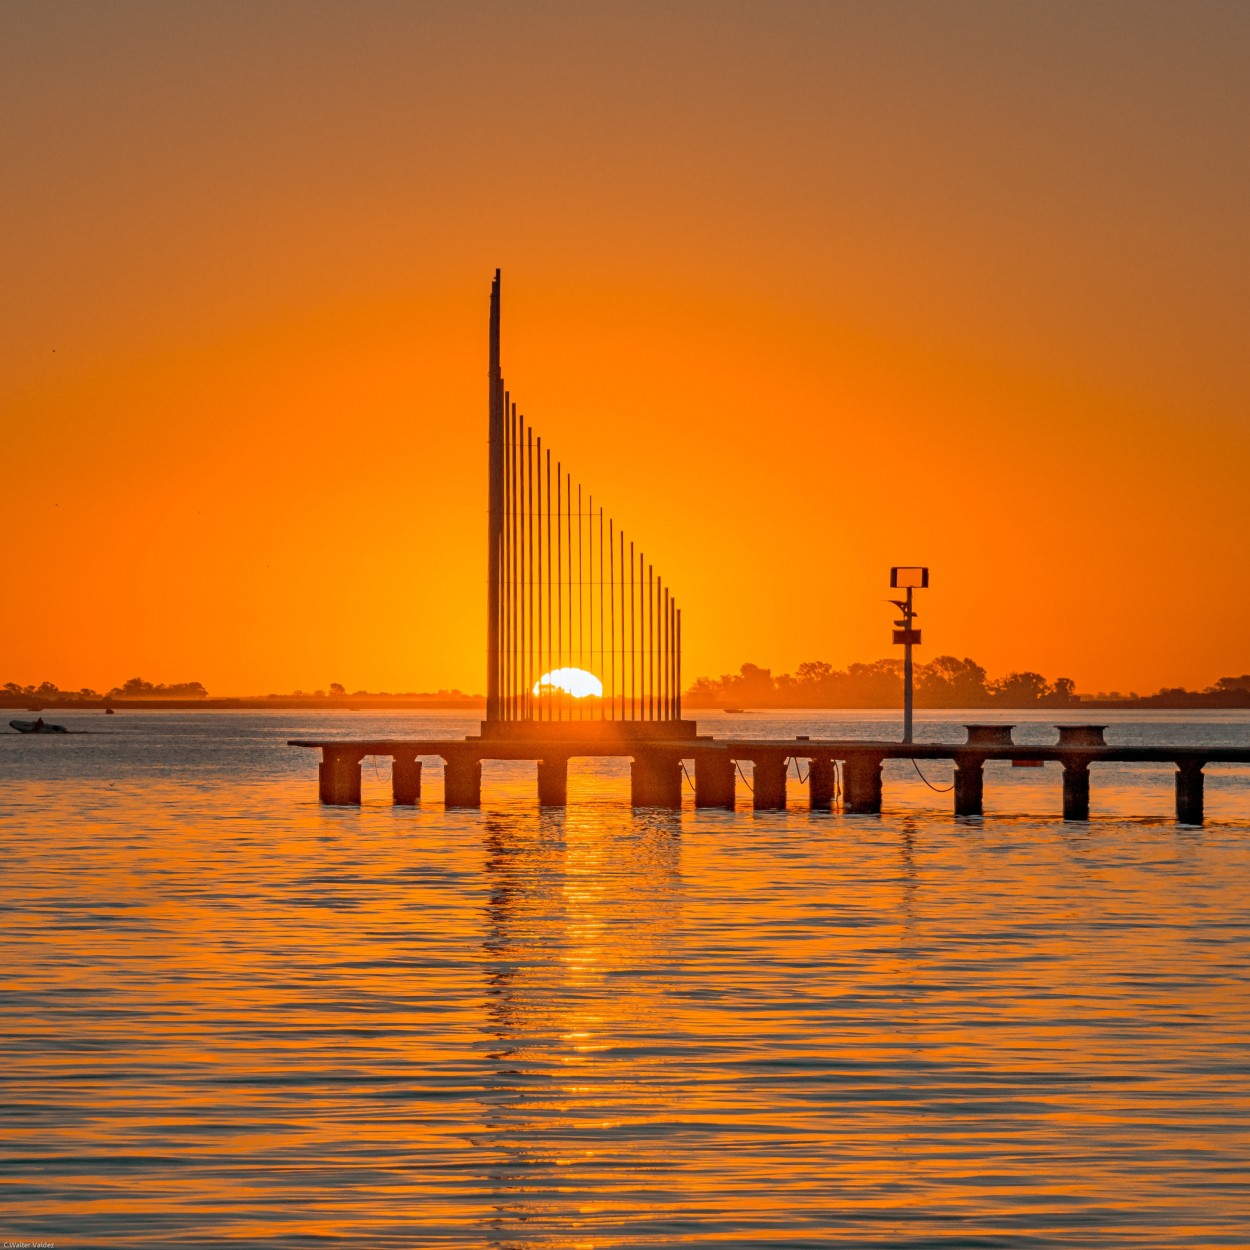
849, 767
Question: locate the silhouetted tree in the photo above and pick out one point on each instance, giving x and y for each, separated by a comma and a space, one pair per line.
1020, 689
950, 682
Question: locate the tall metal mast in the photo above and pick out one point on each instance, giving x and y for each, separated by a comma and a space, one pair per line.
495, 511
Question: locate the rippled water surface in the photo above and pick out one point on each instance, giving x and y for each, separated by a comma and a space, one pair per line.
230, 1014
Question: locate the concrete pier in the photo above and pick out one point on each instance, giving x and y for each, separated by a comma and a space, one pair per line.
656, 770
714, 779
821, 783
553, 781
770, 783
970, 786
1189, 786
861, 784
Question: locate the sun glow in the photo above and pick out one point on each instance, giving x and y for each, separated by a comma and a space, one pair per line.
575, 681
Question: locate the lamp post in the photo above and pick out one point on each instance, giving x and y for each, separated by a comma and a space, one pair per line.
907, 577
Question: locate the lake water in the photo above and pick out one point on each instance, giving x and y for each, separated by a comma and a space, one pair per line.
233, 1016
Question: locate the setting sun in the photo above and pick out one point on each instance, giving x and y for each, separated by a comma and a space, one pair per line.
575, 681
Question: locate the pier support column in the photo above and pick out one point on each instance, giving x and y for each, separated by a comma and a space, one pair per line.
1189, 784
1076, 789
821, 782
969, 786
714, 781
553, 781
861, 781
655, 780
339, 776
462, 781
405, 780
770, 784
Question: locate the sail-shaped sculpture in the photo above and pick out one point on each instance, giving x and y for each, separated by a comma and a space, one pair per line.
580, 628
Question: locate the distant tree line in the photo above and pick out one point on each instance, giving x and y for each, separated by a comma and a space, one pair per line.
338, 691
946, 681
135, 688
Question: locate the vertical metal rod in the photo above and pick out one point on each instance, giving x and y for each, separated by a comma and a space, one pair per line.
602, 657
559, 566
666, 712
538, 633
679, 664
633, 638
516, 557
580, 612
612, 614
518, 639
529, 574
515, 563
658, 650
672, 658
590, 583
547, 665
494, 511
505, 693
650, 649
624, 632
592, 665
568, 531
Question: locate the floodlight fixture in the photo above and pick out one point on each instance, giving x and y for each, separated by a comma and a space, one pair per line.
909, 577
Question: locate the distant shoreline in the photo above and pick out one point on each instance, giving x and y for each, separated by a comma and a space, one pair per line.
244, 703
472, 706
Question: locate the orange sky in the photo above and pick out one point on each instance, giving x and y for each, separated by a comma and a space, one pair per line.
801, 291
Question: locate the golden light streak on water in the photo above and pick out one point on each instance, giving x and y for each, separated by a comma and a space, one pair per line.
232, 1014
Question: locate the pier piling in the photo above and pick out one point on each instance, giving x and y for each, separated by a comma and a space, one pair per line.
714, 781
770, 783
553, 781
655, 780
339, 776
462, 781
1189, 787
405, 780
861, 780
969, 786
1076, 789
821, 783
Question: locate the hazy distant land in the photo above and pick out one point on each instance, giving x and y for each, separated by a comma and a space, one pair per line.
945, 682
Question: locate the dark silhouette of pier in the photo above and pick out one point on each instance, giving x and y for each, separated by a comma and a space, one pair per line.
569, 594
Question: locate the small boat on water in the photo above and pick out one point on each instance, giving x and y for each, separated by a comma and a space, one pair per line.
39, 726
733, 709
